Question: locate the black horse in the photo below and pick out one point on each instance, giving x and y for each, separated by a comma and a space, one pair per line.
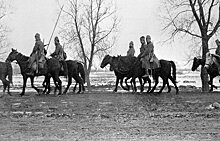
52, 68
212, 70
6, 70
165, 73
75, 69
123, 66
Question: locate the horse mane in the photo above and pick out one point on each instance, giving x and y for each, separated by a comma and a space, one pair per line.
22, 57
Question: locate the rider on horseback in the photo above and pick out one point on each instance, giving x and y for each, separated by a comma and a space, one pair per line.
37, 55
217, 54
60, 55
148, 58
131, 50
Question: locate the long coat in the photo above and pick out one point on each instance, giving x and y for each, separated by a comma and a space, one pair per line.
38, 48
131, 52
59, 52
37, 55
149, 59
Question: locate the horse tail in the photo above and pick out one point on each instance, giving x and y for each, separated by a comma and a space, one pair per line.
81, 71
174, 69
9, 72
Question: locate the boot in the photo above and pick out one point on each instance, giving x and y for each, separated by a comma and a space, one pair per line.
146, 73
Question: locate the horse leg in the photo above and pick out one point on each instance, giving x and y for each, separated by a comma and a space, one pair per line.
116, 84
121, 83
46, 85
59, 86
149, 82
68, 85
174, 83
155, 85
4, 86
83, 88
134, 84
164, 83
126, 82
8, 83
24, 85
32, 84
57, 83
74, 88
211, 84
168, 87
141, 83
80, 81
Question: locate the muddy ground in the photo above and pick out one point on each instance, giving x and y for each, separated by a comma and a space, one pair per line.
104, 115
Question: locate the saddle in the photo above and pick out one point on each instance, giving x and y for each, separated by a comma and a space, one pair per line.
41, 66
125, 63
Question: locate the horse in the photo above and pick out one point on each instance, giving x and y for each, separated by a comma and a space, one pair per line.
123, 67
164, 71
74, 69
212, 70
6, 70
52, 68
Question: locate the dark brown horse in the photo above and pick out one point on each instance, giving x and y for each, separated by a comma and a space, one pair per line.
212, 70
52, 68
6, 70
164, 72
75, 71
123, 66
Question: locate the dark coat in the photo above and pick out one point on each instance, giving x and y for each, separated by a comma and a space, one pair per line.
58, 53
149, 59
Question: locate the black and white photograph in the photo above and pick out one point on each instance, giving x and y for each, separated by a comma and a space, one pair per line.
109, 70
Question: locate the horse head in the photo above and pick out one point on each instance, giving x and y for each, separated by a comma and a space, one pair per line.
209, 60
106, 60
197, 61
12, 55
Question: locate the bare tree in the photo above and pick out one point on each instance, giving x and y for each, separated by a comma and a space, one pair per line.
196, 18
3, 29
89, 29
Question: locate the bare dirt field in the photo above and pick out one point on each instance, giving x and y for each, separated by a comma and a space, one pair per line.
102, 115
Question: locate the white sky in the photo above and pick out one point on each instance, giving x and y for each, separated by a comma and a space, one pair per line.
138, 17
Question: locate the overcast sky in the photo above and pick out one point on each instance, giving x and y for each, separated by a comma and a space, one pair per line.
138, 17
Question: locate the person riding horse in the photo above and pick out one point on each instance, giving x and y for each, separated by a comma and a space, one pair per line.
131, 50
148, 58
37, 55
59, 54
215, 58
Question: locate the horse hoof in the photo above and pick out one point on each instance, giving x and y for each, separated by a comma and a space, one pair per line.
9, 94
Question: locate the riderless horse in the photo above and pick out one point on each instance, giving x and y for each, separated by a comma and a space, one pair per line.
6, 70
